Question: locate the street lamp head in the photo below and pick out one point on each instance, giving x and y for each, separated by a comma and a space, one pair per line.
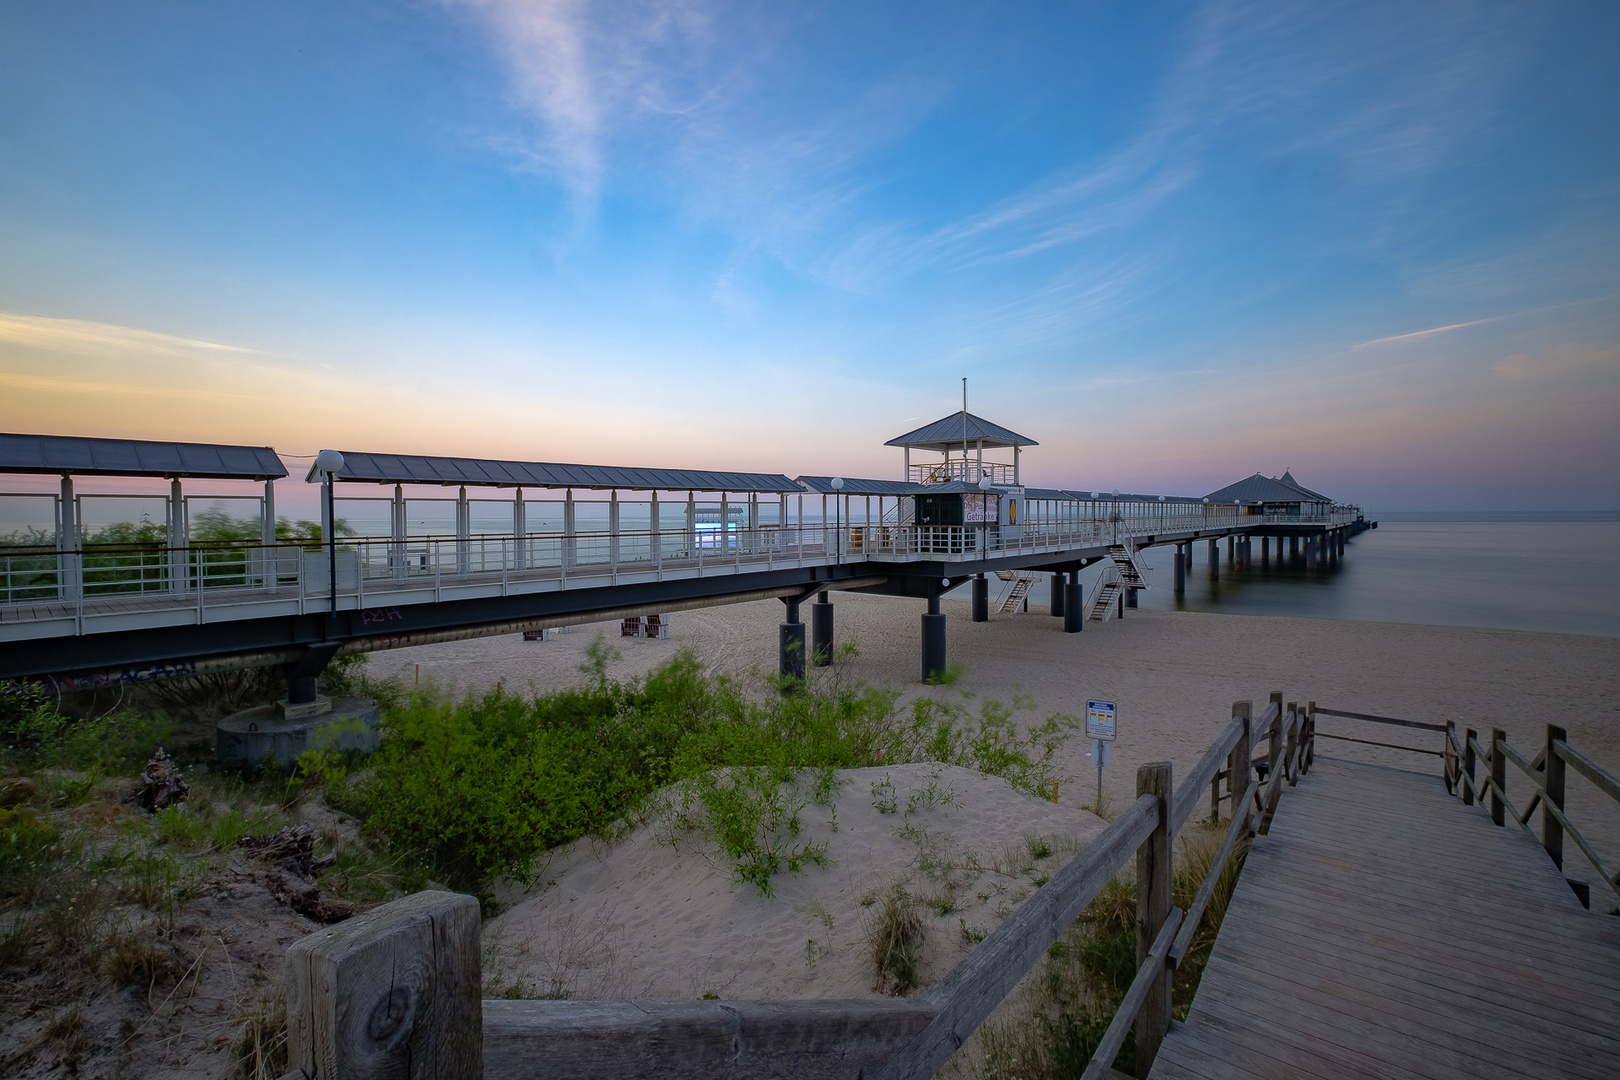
1116, 493
1161, 498
838, 483
328, 462
984, 483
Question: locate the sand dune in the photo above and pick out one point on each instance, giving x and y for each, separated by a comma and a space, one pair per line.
654, 920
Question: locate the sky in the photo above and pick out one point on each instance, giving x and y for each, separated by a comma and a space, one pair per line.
1175, 243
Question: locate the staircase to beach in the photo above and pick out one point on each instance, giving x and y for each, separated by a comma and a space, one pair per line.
1022, 582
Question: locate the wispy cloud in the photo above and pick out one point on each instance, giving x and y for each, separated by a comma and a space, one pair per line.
1423, 335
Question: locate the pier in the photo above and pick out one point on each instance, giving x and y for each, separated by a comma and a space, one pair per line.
523, 546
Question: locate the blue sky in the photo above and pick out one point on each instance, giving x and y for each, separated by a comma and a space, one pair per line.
1176, 243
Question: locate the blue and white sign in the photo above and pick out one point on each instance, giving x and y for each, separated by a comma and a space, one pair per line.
1101, 720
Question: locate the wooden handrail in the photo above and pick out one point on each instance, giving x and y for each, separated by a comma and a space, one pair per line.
971, 990
1191, 787
1392, 746
1588, 768
1240, 822
1382, 719
1141, 986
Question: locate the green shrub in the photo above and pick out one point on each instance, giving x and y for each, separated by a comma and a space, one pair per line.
480, 788
33, 732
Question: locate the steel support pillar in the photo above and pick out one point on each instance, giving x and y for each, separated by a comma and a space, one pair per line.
1311, 544
933, 642
981, 599
1057, 594
790, 644
1181, 572
821, 630
1293, 548
1214, 560
1130, 598
1265, 551
1074, 605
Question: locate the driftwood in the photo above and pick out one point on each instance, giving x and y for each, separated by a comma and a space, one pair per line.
162, 783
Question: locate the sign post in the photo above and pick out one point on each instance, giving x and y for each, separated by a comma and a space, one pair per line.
1102, 726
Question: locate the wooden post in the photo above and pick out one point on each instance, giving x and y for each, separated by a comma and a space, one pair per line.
1237, 762
1308, 741
1295, 732
1552, 833
1152, 908
1498, 775
1470, 737
1274, 748
1451, 757
394, 993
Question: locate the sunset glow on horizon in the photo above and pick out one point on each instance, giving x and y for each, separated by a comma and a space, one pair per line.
1174, 245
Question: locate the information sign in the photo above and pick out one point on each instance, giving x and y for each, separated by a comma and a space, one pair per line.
1101, 720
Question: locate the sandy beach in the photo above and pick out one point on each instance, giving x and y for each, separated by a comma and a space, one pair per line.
1173, 674
644, 918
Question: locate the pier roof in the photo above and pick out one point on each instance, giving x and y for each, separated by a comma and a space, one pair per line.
70, 455
481, 472
949, 432
854, 485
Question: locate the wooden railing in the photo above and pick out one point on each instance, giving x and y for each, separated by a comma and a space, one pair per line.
396, 992
1547, 773
1462, 759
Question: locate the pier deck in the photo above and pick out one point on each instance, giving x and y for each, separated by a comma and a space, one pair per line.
1384, 929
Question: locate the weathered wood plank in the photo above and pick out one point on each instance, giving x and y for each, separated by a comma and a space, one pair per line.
727, 1040
1383, 929
392, 994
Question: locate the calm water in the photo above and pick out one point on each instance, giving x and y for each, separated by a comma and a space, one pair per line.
1509, 571
1506, 571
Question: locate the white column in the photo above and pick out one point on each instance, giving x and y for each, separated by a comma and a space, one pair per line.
520, 531
396, 554
725, 523
570, 544
691, 524
178, 557
267, 536
613, 528
907, 475
657, 537
981, 459
463, 531
69, 581
1015, 466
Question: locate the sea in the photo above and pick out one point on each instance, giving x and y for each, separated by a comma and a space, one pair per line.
1557, 573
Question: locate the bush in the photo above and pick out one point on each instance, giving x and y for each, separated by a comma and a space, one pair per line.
480, 788
33, 732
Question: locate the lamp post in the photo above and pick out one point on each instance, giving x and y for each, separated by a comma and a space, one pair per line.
984, 532
838, 518
328, 463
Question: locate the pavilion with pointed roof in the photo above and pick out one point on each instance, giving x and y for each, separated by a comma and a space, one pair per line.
1273, 495
962, 433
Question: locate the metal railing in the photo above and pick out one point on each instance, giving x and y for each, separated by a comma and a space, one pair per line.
43, 583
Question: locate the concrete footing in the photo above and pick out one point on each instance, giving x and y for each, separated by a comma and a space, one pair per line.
933, 642
821, 630
790, 650
263, 735
790, 644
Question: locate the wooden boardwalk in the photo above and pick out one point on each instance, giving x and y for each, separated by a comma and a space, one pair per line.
1384, 929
